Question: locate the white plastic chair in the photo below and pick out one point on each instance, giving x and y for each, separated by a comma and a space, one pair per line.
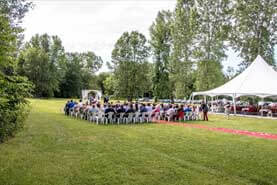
137, 117
109, 118
99, 117
142, 118
121, 118
92, 116
146, 116
130, 117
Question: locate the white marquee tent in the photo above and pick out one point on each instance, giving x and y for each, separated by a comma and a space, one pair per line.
259, 79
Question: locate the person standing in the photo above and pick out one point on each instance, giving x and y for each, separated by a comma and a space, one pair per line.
205, 110
227, 109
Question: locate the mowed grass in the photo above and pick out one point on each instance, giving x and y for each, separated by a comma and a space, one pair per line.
241, 123
55, 149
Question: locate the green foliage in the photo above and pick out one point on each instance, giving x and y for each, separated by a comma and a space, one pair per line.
130, 66
110, 85
254, 30
209, 75
183, 35
212, 28
161, 43
42, 61
13, 106
53, 72
13, 88
71, 84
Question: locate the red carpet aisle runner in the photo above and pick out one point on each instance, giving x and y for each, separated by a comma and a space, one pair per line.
226, 130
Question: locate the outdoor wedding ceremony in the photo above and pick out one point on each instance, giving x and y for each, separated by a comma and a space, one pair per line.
139, 92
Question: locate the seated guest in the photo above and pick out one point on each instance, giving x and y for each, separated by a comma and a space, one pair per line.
136, 107
187, 109
103, 108
93, 109
109, 109
180, 113
143, 108
120, 109
71, 104
157, 108
130, 109
66, 108
149, 107
80, 104
171, 112
162, 111
125, 105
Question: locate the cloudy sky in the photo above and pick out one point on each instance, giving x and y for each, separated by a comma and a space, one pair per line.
95, 25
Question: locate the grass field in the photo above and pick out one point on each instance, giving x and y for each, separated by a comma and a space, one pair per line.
55, 149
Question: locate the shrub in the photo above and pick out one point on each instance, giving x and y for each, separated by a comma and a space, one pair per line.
13, 106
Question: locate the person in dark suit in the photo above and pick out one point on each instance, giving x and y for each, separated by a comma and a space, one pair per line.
109, 109
205, 110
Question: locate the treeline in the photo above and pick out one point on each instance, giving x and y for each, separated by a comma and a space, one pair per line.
55, 72
184, 53
187, 46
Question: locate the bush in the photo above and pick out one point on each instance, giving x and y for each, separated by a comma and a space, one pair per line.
13, 106
11, 121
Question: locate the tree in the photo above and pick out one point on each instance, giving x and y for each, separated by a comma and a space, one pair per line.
13, 88
230, 73
183, 35
208, 75
161, 44
110, 85
91, 62
80, 69
43, 61
213, 27
129, 62
254, 30
71, 84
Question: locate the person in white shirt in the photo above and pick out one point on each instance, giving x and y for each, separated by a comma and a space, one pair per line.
149, 107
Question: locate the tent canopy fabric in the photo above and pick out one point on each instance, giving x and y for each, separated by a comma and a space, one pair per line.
259, 79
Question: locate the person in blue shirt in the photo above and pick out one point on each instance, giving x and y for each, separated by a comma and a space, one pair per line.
187, 109
71, 104
143, 108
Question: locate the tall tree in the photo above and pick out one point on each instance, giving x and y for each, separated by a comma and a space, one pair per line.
254, 30
183, 35
80, 71
43, 62
129, 62
213, 26
161, 44
71, 84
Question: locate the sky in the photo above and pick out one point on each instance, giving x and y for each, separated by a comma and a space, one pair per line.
95, 25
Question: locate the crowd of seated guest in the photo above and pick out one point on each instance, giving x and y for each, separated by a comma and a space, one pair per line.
162, 111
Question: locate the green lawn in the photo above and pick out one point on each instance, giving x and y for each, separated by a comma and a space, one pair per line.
55, 149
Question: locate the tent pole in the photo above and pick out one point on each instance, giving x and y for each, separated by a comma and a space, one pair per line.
212, 104
234, 102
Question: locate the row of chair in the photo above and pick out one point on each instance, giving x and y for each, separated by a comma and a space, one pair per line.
188, 116
137, 117
111, 118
